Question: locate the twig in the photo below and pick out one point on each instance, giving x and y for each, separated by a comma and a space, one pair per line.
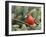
21, 21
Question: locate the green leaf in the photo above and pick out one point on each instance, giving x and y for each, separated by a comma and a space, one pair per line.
24, 27
38, 27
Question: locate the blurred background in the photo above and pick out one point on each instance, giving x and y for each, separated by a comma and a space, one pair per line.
18, 16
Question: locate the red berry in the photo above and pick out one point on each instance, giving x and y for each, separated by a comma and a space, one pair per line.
30, 20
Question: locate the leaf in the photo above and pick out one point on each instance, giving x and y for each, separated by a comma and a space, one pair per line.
24, 27
38, 27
